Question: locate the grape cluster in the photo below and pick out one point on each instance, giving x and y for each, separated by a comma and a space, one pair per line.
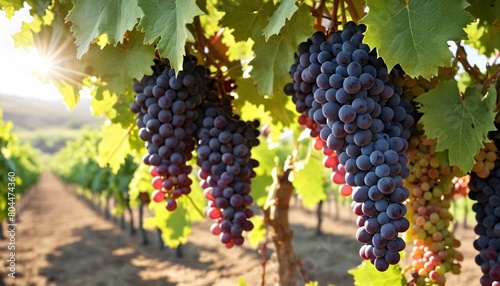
485, 160
356, 108
224, 150
430, 183
166, 106
486, 193
331, 161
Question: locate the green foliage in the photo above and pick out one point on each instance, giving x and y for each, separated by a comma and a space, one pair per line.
107, 45
120, 65
258, 233
175, 226
93, 18
484, 38
273, 57
11, 6
404, 31
308, 181
247, 18
367, 275
22, 159
166, 20
285, 11
460, 124
114, 147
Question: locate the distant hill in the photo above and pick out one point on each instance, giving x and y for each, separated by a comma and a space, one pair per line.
47, 125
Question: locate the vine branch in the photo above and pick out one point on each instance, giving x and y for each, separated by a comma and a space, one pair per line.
334, 22
461, 56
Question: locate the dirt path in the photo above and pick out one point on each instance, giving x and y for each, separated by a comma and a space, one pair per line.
62, 241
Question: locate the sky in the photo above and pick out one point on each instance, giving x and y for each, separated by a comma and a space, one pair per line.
17, 65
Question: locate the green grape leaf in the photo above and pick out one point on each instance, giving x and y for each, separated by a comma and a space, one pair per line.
102, 101
38, 7
167, 20
263, 180
460, 125
485, 11
281, 110
70, 93
273, 57
484, 38
114, 146
367, 275
308, 182
120, 65
258, 233
247, 18
10, 7
175, 226
285, 11
415, 33
92, 18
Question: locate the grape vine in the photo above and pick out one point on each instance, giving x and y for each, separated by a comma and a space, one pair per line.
395, 120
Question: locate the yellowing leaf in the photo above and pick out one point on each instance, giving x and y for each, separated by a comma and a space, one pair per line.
460, 126
258, 233
415, 33
367, 275
483, 37
102, 101
69, 92
92, 18
166, 20
114, 146
10, 7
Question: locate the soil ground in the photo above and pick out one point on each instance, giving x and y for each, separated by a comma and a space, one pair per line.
61, 240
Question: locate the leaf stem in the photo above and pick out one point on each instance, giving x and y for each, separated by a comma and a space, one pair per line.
195, 206
120, 143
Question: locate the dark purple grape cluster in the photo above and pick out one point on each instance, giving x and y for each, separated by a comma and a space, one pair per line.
303, 85
226, 167
355, 102
167, 109
486, 193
